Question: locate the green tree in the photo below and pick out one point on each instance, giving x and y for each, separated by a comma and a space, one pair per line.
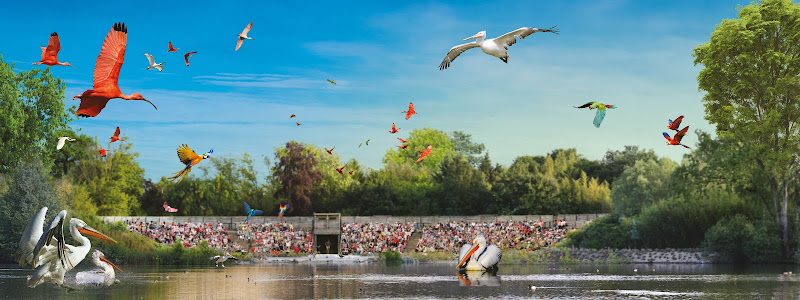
615, 162
462, 142
296, 172
418, 140
72, 152
461, 188
750, 74
32, 111
397, 189
114, 182
642, 185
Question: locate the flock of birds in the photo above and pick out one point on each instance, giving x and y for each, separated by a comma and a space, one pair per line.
46, 250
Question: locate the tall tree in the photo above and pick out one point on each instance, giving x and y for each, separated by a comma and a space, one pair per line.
751, 66
462, 142
32, 111
114, 182
295, 171
642, 185
462, 189
418, 139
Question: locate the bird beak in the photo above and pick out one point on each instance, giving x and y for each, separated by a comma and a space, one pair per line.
108, 262
469, 254
472, 37
93, 232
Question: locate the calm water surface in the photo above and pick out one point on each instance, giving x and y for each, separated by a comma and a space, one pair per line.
426, 281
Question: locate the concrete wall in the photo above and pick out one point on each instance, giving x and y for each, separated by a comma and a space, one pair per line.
305, 223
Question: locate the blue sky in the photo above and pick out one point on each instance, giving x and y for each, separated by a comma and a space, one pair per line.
634, 54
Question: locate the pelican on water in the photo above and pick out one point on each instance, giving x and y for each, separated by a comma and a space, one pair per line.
47, 251
104, 276
222, 258
478, 256
497, 47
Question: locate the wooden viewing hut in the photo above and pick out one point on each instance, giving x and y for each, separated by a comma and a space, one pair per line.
327, 227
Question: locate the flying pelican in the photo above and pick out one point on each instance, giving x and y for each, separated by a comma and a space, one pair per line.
50, 53
251, 212
189, 158
479, 256
220, 259
62, 140
106, 75
47, 251
103, 276
497, 47
601, 111
243, 36
153, 63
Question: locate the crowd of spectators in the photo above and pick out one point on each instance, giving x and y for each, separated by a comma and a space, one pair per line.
372, 238
272, 239
190, 234
521, 235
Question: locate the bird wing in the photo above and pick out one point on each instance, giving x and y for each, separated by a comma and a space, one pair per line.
510, 38
214, 257
116, 132
490, 257
239, 44
61, 142
677, 123
186, 155
257, 212
246, 208
463, 252
455, 52
160, 68
186, 56
170, 47
666, 136
679, 135
31, 235
53, 46
150, 59
112, 55
585, 105
247, 29
598, 117
55, 229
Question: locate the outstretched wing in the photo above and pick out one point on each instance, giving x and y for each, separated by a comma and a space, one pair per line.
247, 29
54, 231
679, 135
585, 105
666, 136
150, 59
53, 46
455, 52
112, 55
186, 155
116, 132
598, 117
246, 208
676, 123
24, 255
258, 212
510, 38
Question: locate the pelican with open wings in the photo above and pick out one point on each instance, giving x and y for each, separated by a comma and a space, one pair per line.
220, 259
188, 158
478, 256
497, 47
46, 250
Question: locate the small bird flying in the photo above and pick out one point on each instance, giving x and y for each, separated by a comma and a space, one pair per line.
153, 63
292, 116
106, 75
351, 172
50, 53
189, 158
330, 151
62, 140
601, 111
678, 137
410, 112
186, 57
251, 212
394, 130
331, 81
103, 152
298, 124
424, 153
402, 147
340, 169
168, 208
242, 36
367, 142
115, 137
172, 49
497, 47
402, 140
674, 125
282, 210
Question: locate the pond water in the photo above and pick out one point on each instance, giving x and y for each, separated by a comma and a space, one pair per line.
425, 281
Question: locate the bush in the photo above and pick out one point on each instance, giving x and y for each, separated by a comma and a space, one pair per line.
738, 240
391, 258
609, 231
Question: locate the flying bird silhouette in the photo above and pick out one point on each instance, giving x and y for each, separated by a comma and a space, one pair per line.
106, 75
251, 212
351, 172
402, 147
62, 140
115, 137
242, 36
331, 81
186, 57
172, 49
410, 112
168, 208
601, 111
678, 137
674, 125
497, 47
340, 169
292, 116
50, 53
367, 142
189, 158
394, 130
153, 63
330, 151
402, 140
425, 153
298, 124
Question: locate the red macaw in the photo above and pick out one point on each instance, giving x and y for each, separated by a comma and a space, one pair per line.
330, 151
425, 153
394, 130
410, 112
601, 111
189, 158
340, 169
674, 125
115, 137
677, 139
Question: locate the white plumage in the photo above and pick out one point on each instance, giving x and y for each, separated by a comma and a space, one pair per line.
62, 140
478, 256
153, 63
220, 259
497, 47
104, 276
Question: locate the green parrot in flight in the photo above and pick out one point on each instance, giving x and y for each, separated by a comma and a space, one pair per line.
601, 111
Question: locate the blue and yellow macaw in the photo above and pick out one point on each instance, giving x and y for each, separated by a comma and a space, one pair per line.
251, 212
601, 111
189, 158
283, 209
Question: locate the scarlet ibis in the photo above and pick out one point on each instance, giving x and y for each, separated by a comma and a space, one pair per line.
189, 158
674, 125
292, 116
330, 151
283, 210
331, 81
340, 169
298, 124
168, 208
103, 152
394, 130
172, 49
410, 112
243, 36
153, 63
186, 57
115, 137
62, 140
678, 137
50, 53
106, 75
425, 153
601, 111
402, 147
402, 140
497, 47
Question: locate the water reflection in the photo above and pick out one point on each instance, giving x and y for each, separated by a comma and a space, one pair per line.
479, 278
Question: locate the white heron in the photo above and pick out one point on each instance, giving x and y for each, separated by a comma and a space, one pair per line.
47, 251
63, 140
153, 63
497, 47
220, 259
243, 36
104, 276
478, 256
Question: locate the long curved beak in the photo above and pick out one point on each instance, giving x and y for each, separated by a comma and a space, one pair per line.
469, 254
93, 232
151, 103
112, 265
472, 37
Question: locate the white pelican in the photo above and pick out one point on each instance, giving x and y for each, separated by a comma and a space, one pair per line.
497, 47
153, 63
63, 140
104, 276
47, 251
243, 36
479, 257
222, 258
